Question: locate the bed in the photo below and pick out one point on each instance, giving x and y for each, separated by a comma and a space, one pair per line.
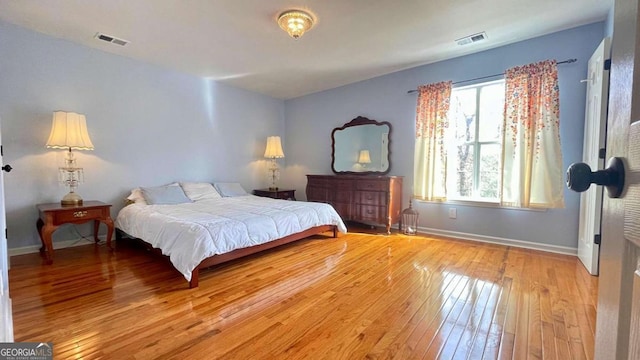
212, 230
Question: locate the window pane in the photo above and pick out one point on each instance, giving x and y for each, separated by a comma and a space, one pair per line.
491, 112
464, 171
474, 142
463, 115
488, 186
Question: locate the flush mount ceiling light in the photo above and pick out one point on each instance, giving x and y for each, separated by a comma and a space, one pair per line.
295, 22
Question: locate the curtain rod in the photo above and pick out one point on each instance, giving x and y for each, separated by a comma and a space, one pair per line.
568, 61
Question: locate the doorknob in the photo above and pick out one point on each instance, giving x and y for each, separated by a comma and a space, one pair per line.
7, 168
580, 177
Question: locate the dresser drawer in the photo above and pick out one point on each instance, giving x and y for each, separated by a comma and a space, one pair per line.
375, 198
373, 213
343, 209
317, 182
317, 194
340, 196
373, 185
77, 215
342, 184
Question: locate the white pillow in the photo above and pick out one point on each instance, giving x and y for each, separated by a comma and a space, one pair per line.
137, 197
230, 189
199, 191
164, 195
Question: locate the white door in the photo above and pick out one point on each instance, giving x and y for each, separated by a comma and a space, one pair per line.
6, 322
594, 139
618, 319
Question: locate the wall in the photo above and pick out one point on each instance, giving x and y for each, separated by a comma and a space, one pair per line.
149, 126
608, 23
385, 99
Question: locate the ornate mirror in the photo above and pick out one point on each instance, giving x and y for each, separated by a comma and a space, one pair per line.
361, 146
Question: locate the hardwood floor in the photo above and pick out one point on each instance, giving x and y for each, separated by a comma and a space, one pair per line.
357, 296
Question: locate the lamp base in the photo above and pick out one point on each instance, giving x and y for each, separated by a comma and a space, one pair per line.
71, 199
273, 188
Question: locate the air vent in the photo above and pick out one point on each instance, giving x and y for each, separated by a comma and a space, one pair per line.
111, 39
472, 38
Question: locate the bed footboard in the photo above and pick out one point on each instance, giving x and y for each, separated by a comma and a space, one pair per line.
236, 254
219, 259
195, 274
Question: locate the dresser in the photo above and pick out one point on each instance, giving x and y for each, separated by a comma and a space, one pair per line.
366, 198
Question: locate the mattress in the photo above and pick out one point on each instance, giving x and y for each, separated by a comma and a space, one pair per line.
189, 233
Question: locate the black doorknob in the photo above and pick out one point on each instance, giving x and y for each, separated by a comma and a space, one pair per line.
7, 168
580, 177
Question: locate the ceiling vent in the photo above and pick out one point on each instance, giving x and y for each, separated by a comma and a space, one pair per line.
472, 38
111, 39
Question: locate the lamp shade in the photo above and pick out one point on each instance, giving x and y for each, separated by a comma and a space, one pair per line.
274, 148
364, 157
69, 131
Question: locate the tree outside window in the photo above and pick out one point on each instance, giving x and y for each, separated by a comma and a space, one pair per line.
475, 142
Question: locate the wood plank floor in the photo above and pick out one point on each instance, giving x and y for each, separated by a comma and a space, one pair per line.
357, 296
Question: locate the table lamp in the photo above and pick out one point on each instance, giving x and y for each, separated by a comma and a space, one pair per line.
69, 131
273, 152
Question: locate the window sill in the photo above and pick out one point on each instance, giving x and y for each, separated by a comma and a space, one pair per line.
479, 203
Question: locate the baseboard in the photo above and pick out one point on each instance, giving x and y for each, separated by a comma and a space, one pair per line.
446, 233
501, 241
56, 245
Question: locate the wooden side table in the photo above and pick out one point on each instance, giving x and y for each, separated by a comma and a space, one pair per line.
276, 194
53, 215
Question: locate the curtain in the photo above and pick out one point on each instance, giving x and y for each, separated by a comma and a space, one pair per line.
532, 174
430, 161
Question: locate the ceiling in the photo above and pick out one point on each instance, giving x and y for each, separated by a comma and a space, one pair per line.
239, 43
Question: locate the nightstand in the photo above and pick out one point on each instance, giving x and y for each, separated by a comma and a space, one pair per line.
53, 215
276, 194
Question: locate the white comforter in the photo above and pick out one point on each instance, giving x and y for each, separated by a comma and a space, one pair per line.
190, 233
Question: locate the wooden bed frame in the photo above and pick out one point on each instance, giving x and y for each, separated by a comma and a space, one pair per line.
236, 254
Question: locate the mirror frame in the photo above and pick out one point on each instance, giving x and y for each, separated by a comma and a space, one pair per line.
360, 120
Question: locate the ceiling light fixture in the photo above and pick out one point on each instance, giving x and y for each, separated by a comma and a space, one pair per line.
295, 22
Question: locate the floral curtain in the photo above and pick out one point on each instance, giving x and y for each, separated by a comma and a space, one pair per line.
532, 173
430, 154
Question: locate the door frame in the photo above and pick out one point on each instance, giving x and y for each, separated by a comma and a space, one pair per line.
617, 255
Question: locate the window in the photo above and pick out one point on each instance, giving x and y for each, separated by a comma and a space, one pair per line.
474, 142
495, 142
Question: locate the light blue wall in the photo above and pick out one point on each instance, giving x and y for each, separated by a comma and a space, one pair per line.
310, 119
608, 23
149, 125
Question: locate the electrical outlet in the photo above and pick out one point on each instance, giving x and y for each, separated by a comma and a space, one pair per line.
453, 213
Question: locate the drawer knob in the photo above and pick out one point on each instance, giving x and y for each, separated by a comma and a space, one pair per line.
369, 212
369, 197
79, 214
